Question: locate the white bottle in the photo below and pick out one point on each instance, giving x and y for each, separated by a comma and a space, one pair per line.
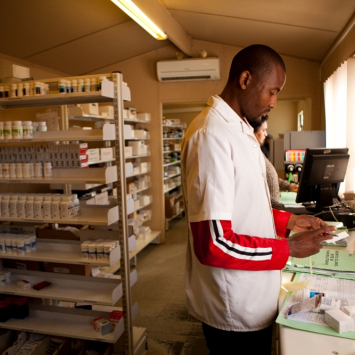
87, 85
56, 200
26, 170
8, 130
47, 207
14, 244
99, 85
19, 170
92, 251
26, 89
68, 86
21, 206
2, 244
1, 173
5, 206
62, 86
20, 244
17, 130
5, 171
74, 85
33, 242
27, 130
47, 169
42, 126
2, 130
13, 206
38, 207
12, 170
38, 171
32, 169
66, 207
93, 84
30, 206
13, 90
20, 90
8, 245
28, 244
100, 251
76, 203
81, 85
38, 88
35, 126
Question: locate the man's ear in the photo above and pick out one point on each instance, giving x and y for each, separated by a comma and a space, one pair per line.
244, 79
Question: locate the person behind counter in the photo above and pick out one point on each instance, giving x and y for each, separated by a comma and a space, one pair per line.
274, 182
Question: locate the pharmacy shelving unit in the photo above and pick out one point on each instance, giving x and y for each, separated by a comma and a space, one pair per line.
70, 322
172, 136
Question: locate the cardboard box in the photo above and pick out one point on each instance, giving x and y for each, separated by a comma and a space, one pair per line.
64, 268
339, 321
169, 207
106, 153
128, 151
15, 71
132, 113
127, 131
93, 154
46, 232
90, 109
22, 264
106, 110
143, 117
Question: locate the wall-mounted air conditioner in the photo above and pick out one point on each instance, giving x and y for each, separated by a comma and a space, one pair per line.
188, 69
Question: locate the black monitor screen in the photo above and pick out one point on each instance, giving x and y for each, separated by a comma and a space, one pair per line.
323, 171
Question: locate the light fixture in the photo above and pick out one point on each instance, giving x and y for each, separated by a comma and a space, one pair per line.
137, 15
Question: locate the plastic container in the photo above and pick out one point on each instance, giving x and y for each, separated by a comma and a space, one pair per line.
38, 172
38, 207
68, 86
66, 207
13, 206
28, 244
8, 130
12, 170
47, 207
2, 244
19, 307
20, 90
30, 206
92, 251
2, 130
62, 86
81, 85
47, 169
74, 85
93, 84
35, 126
27, 130
5, 309
8, 245
13, 90
76, 203
19, 170
56, 213
33, 242
42, 127
26, 89
5, 171
20, 243
32, 169
26, 170
87, 85
21, 206
1, 92
107, 250
5, 206
38, 88
85, 250
17, 130
99, 84
100, 251
13, 245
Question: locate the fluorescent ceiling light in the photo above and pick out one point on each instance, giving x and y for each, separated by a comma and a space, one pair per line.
137, 15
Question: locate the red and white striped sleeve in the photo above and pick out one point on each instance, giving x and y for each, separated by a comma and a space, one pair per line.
215, 244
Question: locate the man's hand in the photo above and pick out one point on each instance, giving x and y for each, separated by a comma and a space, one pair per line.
304, 244
304, 222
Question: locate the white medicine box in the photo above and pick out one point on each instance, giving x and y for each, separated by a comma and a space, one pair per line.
93, 154
106, 153
106, 110
143, 117
138, 147
90, 109
132, 113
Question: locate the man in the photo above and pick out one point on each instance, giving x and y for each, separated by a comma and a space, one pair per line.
233, 257
265, 148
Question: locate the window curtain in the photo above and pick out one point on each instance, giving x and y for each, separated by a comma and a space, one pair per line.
339, 96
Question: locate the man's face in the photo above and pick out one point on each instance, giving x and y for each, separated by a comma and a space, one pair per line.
260, 95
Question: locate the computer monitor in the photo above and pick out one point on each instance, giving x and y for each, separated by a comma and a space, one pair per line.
323, 171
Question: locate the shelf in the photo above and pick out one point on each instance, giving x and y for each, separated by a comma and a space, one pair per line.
142, 243
66, 322
135, 121
174, 126
173, 163
71, 176
136, 139
90, 118
137, 156
89, 214
172, 188
170, 177
141, 207
100, 161
105, 95
69, 288
141, 190
129, 176
171, 151
166, 139
167, 220
62, 253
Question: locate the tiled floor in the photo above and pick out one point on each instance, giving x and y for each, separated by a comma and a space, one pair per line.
161, 297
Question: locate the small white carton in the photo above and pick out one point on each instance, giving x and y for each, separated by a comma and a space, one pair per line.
339, 321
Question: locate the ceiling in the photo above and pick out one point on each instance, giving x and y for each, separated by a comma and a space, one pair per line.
82, 36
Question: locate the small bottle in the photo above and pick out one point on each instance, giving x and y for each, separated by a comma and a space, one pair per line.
92, 251
38, 172
2, 244
66, 207
13, 244
76, 203
99, 84
21, 206
28, 244
38, 87
20, 90
1, 176
13, 90
81, 85
38, 207
2, 94
2, 130
68, 86
20, 244
42, 126
19, 170
17, 130
27, 130
74, 85
93, 84
35, 126
8, 130
47, 206
32, 170
99, 251
8, 245
26, 170
7, 91
56, 200
84, 249
5, 171
13, 206
46, 89
62, 86
26, 89
47, 169
87, 85
5, 206
33, 242
29, 206
12, 170
43, 89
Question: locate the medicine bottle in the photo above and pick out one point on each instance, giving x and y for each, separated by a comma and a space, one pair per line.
7, 91
68, 86
43, 89
21, 206
38, 207
62, 86
12, 170
26, 89
81, 85
47, 206
26, 170
38, 87
35, 126
20, 244
8, 245
19, 90
99, 251
30, 207
17, 130
33, 242
19, 170
38, 170
27, 130
66, 207
56, 200
13, 90
42, 126
46, 89
5, 205
5, 171
1, 175
28, 244
74, 85
99, 84
32, 169
92, 251
8, 130
93, 84
2, 130
47, 169
13, 244
76, 203
1, 92
2, 244
13, 206
87, 85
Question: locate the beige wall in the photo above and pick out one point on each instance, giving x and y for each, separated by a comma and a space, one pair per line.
148, 95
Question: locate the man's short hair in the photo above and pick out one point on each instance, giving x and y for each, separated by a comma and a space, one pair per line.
258, 59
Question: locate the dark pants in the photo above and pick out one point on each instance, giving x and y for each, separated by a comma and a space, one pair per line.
222, 342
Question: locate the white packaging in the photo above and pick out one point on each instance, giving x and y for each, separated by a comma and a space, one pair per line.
67, 207
132, 113
8, 276
8, 130
106, 110
102, 199
23, 285
13, 206
5, 171
143, 117
5, 206
17, 130
13, 245
339, 321
349, 311
27, 130
326, 304
38, 170
76, 203
56, 213
26, 170
106, 153
92, 251
19, 170
30, 214
21, 206
140, 133
33, 242
107, 250
38, 207
85, 250
91, 108
28, 244
137, 147
20, 244
93, 154
8, 245
47, 170
12, 170
100, 251
47, 207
